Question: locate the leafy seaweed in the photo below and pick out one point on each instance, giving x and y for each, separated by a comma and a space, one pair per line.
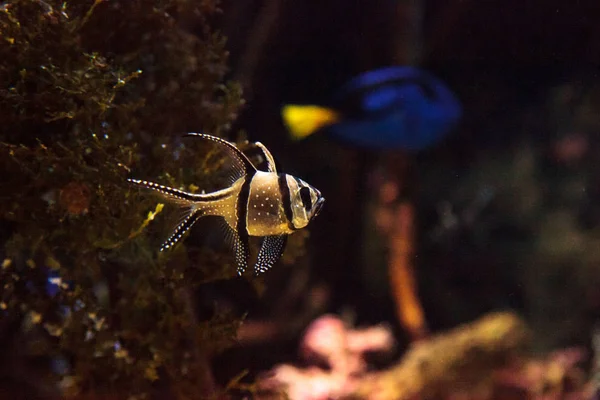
91, 91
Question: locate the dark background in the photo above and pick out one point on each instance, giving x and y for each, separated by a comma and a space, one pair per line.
526, 73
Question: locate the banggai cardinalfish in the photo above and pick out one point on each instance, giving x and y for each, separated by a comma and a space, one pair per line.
256, 203
395, 107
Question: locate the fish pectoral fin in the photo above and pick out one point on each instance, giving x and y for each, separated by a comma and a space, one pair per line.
304, 120
270, 252
188, 221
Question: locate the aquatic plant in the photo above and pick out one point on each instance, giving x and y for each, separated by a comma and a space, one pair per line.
92, 90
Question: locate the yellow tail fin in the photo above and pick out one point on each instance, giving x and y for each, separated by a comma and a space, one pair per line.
303, 120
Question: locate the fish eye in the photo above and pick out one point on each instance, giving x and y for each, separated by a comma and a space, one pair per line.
305, 197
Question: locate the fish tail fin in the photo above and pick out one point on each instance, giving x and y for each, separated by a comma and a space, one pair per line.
189, 207
173, 195
304, 120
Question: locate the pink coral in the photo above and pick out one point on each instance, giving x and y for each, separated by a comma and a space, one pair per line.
329, 341
308, 384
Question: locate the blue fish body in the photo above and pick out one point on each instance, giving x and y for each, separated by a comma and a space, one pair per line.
396, 107
388, 108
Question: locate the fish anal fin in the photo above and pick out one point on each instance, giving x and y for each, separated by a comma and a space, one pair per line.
270, 252
304, 120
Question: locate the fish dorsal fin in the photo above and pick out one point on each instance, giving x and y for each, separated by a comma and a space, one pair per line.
383, 77
382, 89
241, 164
271, 163
270, 252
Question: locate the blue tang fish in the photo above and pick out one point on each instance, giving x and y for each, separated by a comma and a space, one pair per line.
394, 107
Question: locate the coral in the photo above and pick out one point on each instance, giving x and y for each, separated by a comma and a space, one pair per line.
556, 376
327, 341
91, 91
394, 220
401, 269
467, 361
461, 360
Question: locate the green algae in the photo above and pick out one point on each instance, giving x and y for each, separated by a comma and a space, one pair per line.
91, 91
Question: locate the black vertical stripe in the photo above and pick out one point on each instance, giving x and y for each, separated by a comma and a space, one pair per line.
242, 212
242, 206
286, 201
